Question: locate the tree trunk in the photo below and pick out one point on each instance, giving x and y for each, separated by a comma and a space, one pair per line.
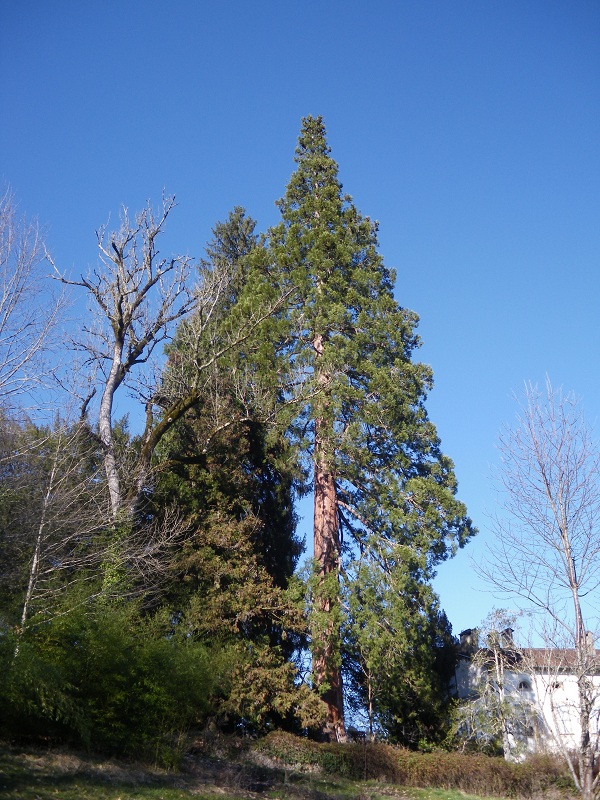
586, 747
326, 666
326, 634
35, 561
105, 430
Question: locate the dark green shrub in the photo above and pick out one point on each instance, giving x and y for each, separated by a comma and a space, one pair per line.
109, 679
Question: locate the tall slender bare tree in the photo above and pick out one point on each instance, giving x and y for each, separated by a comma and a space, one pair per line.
28, 311
547, 550
135, 296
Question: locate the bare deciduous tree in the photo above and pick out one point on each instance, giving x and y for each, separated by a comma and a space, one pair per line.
28, 311
58, 529
547, 549
135, 295
52, 510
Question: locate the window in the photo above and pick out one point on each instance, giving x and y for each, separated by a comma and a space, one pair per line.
524, 686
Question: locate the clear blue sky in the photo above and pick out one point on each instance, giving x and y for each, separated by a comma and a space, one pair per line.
470, 129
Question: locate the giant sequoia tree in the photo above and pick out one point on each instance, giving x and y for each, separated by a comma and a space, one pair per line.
383, 491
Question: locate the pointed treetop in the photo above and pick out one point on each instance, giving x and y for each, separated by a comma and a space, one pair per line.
312, 139
317, 172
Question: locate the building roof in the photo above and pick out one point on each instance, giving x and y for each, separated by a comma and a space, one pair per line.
528, 659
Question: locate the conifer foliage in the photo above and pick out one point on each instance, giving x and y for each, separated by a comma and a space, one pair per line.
229, 468
384, 494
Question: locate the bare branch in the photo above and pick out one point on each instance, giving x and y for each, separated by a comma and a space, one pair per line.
28, 313
136, 296
547, 548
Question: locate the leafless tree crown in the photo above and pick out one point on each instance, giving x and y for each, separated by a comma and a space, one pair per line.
546, 551
29, 312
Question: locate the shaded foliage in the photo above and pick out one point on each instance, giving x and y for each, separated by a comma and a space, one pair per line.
232, 471
103, 676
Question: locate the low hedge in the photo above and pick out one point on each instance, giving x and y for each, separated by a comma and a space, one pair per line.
538, 776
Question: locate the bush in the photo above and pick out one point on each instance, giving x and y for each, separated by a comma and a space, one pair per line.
108, 679
474, 774
359, 761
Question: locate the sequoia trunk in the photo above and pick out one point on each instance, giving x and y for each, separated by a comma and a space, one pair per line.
326, 631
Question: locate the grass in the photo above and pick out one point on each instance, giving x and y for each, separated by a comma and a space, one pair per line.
40, 775
50, 776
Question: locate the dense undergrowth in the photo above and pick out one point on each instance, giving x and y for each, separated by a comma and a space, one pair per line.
539, 776
48, 775
280, 766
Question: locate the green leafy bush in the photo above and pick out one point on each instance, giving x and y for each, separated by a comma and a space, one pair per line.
109, 679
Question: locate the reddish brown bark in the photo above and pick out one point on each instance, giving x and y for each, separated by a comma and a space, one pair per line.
326, 667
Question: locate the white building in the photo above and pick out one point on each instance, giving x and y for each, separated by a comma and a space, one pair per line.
535, 691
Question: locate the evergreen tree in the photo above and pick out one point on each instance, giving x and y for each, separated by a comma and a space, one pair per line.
399, 655
383, 491
233, 473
